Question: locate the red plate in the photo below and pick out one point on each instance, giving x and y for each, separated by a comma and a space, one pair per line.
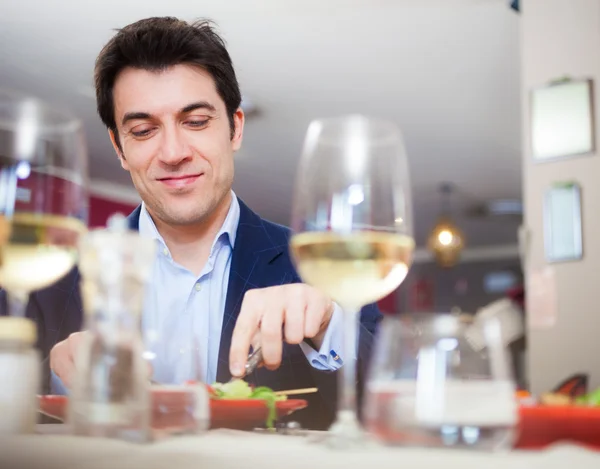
170, 409
541, 426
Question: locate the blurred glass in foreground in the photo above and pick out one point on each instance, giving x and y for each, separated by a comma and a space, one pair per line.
43, 200
20, 376
428, 385
110, 395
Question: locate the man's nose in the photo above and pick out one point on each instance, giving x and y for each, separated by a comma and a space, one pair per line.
174, 147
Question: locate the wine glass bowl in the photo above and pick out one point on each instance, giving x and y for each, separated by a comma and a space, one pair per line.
43, 200
354, 269
352, 225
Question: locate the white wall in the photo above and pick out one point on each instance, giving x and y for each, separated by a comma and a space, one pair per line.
562, 37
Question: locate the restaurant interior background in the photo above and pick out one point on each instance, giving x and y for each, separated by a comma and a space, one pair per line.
453, 74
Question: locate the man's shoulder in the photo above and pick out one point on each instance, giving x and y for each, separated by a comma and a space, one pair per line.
250, 221
275, 237
277, 229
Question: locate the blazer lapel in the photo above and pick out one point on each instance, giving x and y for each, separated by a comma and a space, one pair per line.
133, 220
252, 253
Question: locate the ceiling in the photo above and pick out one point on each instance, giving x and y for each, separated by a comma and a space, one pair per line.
446, 71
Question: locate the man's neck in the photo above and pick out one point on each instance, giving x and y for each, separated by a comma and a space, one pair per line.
190, 245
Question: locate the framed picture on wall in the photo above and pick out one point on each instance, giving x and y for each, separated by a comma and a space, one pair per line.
562, 120
562, 223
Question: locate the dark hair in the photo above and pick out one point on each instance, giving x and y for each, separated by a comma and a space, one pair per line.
158, 43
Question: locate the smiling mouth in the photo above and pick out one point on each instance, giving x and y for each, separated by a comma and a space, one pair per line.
180, 181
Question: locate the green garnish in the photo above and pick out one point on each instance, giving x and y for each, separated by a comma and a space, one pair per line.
591, 399
238, 389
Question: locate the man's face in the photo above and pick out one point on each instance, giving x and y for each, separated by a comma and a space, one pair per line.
176, 140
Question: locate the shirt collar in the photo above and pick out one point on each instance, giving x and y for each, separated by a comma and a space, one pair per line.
228, 230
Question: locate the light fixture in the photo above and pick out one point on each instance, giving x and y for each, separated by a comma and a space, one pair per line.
446, 240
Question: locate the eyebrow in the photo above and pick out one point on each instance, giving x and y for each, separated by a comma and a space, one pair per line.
129, 116
198, 105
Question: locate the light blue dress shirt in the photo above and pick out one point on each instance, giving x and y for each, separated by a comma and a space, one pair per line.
183, 313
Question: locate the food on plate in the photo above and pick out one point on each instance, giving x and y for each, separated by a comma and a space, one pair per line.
571, 391
239, 389
591, 399
555, 399
574, 386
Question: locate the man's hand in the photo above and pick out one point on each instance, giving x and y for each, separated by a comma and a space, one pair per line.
62, 357
274, 314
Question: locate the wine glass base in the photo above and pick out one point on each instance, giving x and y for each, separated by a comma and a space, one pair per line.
345, 433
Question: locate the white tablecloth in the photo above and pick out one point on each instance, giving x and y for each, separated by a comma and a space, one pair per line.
224, 449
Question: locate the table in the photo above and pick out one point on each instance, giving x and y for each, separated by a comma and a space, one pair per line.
227, 449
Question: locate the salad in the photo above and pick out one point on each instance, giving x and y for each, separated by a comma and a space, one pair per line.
239, 389
591, 399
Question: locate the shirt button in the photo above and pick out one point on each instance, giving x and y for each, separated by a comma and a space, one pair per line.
198, 287
165, 251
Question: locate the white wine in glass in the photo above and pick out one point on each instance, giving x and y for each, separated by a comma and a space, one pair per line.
43, 200
358, 268
352, 223
41, 250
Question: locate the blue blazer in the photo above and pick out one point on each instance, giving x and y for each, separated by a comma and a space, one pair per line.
260, 259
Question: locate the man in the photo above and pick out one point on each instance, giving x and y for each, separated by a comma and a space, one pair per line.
167, 92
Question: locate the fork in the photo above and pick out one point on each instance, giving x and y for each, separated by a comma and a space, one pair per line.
254, 359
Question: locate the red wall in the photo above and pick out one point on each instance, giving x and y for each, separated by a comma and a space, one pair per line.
101, 209
45, 193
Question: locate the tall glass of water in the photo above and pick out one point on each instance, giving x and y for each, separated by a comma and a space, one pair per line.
352, 228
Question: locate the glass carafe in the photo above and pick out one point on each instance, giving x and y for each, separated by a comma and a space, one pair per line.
110, 395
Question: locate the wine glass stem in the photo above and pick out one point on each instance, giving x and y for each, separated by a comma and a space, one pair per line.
17, 304
347, 385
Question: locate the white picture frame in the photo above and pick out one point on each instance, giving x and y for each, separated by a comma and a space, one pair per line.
562, 120
563, 238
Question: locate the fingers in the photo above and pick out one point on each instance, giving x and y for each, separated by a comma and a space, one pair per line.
62, 358
271, 336
245, 329
295, 309
60, 362
318, 314
255, 341
74, 341
312, 321
272, 315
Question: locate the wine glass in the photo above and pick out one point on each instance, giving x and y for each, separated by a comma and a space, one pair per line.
43, 200
352, 226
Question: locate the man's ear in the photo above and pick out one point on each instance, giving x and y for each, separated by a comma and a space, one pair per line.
238, 132
118, 150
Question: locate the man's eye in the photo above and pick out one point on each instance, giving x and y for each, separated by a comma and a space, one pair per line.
141, 133
196, 123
